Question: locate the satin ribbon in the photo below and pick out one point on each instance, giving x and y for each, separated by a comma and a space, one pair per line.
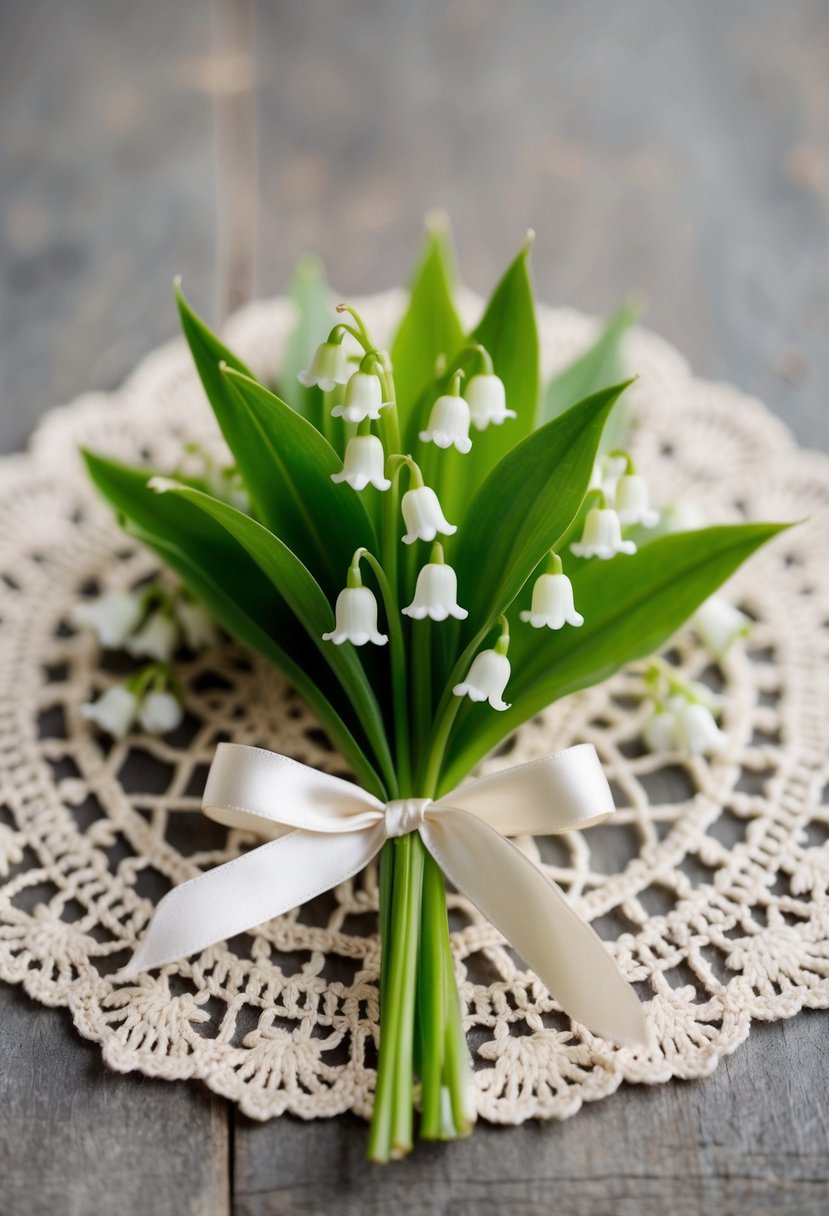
324, 830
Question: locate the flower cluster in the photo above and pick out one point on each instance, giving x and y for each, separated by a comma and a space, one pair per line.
682, 714
150, 698
620, 499
149, 624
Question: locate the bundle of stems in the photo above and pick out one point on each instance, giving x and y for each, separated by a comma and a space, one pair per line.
414, 534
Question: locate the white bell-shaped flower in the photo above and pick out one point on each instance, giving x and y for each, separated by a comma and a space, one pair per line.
200, 630
719, 625
487, 400
364, 464
487, 679
449, 424
611, 468
552, 603
113, 617
602, 536
697, 734
356, 619
423, 515
157, 638
363, 399
114, 712
329, 367
684, 516
436, 594
160, 712
633, 501
659, 730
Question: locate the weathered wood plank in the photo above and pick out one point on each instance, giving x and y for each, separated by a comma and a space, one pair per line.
677, 149
751, 1138
77, 1138
107, 190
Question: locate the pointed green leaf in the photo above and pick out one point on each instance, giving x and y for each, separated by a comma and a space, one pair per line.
509, 333
631, 607
309, 605
322, 522
240, 431
599, 366
238, 624
524, 507
430, 326
244, 601
315, 317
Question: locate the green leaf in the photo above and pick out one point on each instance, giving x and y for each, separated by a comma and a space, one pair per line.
599, 366
309, 605
525, 506
430, 326
238, 624
241, 433
321, 522
508, 331
631, 607
315, 317
244, 601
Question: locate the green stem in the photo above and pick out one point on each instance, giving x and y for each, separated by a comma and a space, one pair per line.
404, 1047
432, 1002
421, 635
392, 1119
386, 895
399, 684
440, 739
456, 1075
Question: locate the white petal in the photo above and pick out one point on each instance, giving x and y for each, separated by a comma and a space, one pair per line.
114, 711
160, 713
157, 639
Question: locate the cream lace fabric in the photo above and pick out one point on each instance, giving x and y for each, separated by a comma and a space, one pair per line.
710, 885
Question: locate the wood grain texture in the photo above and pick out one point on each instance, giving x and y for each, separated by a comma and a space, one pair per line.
77, 1139
678, 149
752, 1138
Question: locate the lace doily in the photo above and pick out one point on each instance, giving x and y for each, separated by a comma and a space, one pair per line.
710, 884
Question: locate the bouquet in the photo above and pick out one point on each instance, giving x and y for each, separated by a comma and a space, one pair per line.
432, 549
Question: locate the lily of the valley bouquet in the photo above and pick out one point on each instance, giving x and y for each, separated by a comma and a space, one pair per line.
432, 550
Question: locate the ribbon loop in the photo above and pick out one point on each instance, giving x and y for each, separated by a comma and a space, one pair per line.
405, 815
324, 830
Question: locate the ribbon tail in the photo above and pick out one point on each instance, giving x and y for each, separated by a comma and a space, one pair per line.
534, 916
250, 890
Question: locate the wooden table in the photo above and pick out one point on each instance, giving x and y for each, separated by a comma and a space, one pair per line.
680, 149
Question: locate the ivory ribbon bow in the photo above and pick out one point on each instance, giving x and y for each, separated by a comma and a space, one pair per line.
325, 830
